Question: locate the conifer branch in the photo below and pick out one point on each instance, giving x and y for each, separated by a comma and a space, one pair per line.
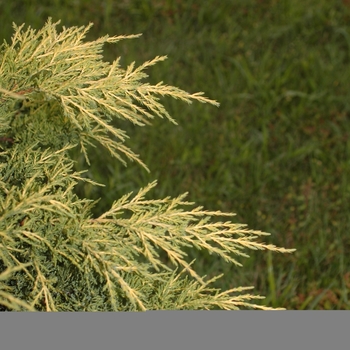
57, 93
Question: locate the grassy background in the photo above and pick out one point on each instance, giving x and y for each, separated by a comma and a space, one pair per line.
276, 152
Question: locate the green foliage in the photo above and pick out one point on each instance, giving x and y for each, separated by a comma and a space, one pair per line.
56, 93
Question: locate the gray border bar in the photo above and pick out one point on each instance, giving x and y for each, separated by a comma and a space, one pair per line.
176, 330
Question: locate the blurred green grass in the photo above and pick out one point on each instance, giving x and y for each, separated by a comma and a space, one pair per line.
276, 152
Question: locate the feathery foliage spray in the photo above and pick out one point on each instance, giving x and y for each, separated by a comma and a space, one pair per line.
56, 93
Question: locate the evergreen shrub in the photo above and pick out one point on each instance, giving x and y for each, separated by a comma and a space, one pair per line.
57, 93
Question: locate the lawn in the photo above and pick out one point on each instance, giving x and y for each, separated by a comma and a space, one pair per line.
276, 152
